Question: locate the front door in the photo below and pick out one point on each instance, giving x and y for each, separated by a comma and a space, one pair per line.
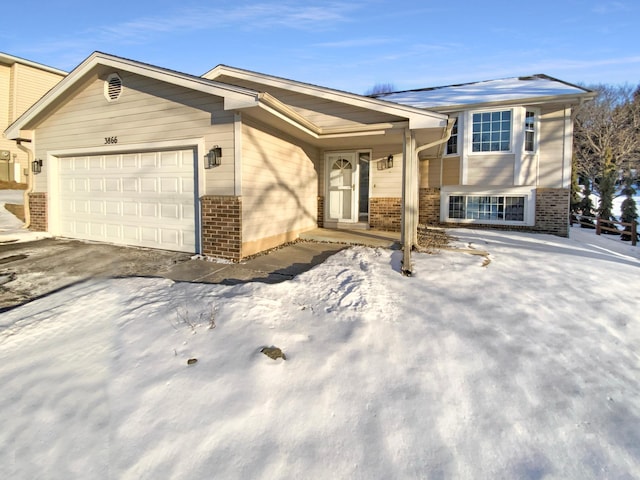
342, 174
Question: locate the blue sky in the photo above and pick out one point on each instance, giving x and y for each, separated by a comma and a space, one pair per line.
349, 45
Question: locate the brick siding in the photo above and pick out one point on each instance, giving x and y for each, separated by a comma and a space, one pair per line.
385, 213
552, 211
222, 226
38, 212
429, 206
320, 212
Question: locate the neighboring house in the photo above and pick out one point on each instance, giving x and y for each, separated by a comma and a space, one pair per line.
21, 83
235, 162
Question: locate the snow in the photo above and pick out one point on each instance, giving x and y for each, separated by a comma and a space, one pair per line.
480, 92
527, 368
11, 228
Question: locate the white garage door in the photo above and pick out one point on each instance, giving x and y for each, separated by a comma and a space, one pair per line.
143, 199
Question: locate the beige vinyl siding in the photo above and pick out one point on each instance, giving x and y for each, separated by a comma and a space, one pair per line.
490, 170
386, 183
147, 111
5, 95
279, 188
29, 85
528, 169
320, 111
430, 172
551, 148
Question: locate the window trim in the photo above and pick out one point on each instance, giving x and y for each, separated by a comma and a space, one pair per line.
457, 190
536, 130
457, 125
512, 137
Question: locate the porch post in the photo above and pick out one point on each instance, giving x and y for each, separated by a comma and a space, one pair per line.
409, 230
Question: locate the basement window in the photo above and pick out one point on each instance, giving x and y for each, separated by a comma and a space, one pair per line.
113, 87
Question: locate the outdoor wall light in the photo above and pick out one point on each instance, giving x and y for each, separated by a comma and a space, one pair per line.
36, 166
385, 163
212, 159
390, 161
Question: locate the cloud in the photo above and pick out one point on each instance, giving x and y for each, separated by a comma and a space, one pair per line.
247, 17
611, 7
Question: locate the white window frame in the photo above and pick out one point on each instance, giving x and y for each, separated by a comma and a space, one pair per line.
512, 137
459, 131
536, 130
457, 190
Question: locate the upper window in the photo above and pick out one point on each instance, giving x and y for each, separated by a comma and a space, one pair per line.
529, 131
491, 132
452, 143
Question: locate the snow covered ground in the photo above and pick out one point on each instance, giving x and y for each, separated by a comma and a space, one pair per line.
11, 229
525, 368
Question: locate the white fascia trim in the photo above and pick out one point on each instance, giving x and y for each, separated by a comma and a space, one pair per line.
528, 192
278, 109
10, 59
418, 117
235, 97
571, 99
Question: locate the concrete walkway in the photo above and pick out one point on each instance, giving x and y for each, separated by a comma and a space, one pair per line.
276, 266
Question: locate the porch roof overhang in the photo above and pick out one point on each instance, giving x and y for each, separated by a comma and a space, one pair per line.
418, 118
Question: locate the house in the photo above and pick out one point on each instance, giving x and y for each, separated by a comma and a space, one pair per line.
235, 162
22, 82
507, 162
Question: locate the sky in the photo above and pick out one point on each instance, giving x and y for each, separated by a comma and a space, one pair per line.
348, 45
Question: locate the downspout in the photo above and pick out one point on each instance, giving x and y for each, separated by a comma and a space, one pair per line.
410, 223
27, 207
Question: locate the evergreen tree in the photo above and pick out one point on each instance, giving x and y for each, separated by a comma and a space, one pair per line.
575, 188
586, 207
607, 190
629, 208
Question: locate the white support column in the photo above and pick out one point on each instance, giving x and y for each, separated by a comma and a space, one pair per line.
410, 181
567, 148
237, 154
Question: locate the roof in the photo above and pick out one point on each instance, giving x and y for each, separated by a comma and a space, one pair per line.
417, 116
534, 88
235, 97
10, 60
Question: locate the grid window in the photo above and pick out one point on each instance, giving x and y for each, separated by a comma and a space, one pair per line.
529, 131
486, 207
452, 143
491, 131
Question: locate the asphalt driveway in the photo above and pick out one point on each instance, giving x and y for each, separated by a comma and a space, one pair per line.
34, 269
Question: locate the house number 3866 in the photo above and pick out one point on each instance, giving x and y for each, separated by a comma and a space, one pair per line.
110, 140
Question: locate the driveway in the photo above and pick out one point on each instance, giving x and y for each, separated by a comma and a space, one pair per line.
33, 269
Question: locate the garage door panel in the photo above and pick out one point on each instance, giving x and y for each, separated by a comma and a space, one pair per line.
144, 199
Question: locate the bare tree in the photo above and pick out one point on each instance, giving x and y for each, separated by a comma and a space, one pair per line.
379, 88
607, 139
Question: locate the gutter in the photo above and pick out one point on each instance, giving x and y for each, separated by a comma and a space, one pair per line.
27, 207
410, 216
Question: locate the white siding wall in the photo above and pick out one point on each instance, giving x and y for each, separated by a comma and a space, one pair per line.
279, 185
148, 111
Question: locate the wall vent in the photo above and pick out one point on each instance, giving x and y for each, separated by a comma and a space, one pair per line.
113, 87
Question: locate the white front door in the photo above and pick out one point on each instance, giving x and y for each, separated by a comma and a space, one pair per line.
342, 175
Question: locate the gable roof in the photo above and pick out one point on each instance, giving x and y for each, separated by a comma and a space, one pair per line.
418, 117
235, 97
7, 59
537, 88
